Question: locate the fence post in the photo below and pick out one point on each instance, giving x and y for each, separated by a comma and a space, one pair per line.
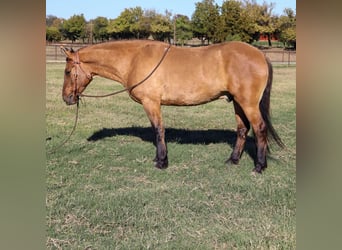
55, 52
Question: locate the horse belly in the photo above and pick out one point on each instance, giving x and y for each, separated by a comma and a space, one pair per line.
190, 94
192, 80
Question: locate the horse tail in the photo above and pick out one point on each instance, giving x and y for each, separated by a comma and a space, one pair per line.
265, 109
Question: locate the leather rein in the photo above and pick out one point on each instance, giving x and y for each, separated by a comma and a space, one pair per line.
77, 63
129, 89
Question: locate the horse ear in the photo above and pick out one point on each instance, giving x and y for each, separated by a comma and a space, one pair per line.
65, 51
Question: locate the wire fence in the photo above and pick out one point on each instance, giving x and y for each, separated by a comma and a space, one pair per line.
283, 57
53, 52
278, 57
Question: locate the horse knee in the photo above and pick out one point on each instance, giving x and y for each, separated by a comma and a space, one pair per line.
242, 133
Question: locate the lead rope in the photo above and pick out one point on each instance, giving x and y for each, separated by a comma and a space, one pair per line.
129, 89
76, 115
106, 95
72, 131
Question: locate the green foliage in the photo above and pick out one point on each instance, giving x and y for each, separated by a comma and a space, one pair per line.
161, 26
257, 19
74, 28
287, 26
100, 28
53, 34
50, 19
136, 23
205, 20
234, 20
120, 25
183, 29
138, 26
129, 24
232, 26
265, 21
53, 28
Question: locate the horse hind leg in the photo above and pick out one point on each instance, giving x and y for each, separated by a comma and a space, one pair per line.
243, 127
260, 132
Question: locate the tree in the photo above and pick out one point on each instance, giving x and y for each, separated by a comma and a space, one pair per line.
249, 18
182, 29
74, 28
58, 23
127, 24
261, 19
205, 20
99, 28
160, 25
287, 27
138, 27
53, 25
53, 34
50, 19
232, 27
136, 23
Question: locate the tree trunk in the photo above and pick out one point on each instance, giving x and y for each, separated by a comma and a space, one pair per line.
269, 40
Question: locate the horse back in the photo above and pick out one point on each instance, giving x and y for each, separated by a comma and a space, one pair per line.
193, 76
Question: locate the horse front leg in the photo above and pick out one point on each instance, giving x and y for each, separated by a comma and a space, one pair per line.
153, 112
161, 160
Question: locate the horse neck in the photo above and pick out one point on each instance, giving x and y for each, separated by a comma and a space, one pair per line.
112, 62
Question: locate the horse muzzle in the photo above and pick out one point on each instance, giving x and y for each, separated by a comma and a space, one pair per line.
71, 99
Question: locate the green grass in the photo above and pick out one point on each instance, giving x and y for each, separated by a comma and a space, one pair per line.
275, 44
104, 193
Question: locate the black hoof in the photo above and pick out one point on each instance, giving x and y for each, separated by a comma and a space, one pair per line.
161, 164
258, 169
231, 162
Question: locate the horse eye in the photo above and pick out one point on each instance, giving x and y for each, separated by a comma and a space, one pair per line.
67, 72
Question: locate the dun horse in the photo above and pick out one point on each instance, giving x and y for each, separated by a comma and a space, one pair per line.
155, 73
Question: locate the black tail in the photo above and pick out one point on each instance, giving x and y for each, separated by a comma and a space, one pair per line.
265, 108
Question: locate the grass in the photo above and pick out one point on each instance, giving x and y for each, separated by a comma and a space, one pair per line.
104, 193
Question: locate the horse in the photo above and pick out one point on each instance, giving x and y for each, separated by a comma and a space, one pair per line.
156, 73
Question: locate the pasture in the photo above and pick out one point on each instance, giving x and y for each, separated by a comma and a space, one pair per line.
104, 193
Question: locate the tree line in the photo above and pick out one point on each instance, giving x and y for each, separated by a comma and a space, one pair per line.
210, 23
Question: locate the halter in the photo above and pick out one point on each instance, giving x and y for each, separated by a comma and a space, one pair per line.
77, 65
129, 89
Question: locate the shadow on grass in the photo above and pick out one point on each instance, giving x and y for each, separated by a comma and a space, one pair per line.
181, 136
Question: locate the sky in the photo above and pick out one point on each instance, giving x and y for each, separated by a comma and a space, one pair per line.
111, 9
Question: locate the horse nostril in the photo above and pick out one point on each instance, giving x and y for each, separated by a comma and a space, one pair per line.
69, 99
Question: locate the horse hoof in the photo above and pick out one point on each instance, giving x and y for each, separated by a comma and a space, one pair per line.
256, 172
231, 162
258, 169
161, 164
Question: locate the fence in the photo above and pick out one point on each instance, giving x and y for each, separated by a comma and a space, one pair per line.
53, 52
277, 57
282, 57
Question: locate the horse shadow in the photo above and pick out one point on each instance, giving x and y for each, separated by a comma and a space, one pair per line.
181, 136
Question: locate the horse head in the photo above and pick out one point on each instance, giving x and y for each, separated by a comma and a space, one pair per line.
76, 78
